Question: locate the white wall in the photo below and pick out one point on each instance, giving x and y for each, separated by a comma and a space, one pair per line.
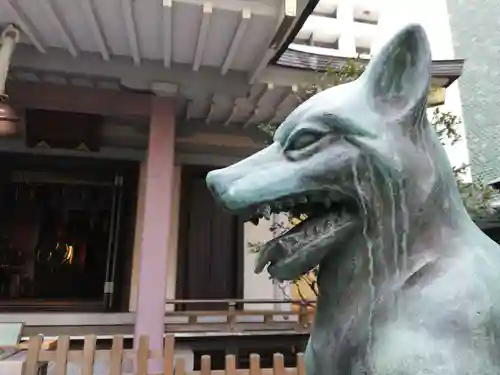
458, 153
256, 286
260, 286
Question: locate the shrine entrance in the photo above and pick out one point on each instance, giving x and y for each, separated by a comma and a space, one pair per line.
210, 249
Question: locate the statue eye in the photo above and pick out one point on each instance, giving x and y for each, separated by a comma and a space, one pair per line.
303, 140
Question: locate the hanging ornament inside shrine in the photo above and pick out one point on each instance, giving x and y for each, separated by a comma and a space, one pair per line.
8, 117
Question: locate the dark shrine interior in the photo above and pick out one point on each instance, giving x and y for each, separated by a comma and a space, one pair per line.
61, 232
53, 239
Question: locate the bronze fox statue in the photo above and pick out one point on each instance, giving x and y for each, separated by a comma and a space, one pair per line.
408, 284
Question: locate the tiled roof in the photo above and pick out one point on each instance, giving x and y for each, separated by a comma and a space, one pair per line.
291, 58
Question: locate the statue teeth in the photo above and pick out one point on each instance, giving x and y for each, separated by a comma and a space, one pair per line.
327, 202
328, 224
266, 211
295, 212
342, 216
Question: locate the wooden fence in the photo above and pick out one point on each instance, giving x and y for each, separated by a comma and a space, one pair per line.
61, 355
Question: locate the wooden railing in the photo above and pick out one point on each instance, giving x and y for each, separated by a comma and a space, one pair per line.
235, 318
264, 316
115, 359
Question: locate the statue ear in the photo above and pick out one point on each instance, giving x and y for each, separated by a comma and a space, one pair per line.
398, 77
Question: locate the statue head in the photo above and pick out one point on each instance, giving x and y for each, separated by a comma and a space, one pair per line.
347, 158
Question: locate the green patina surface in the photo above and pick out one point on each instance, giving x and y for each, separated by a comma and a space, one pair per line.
408, 284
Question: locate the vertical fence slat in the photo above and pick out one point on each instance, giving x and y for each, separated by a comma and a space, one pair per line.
230, 364
116, 355
303, 316
278, 364
180, 366
143, 356
301, 366
268, 319
62, 355
170, 366
205, 365
254, 364
168, 355
88, 355
34, 346
231, 316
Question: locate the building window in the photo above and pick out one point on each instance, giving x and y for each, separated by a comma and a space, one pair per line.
330, 45
311, 41
326, 13
362, 50
366, 16
305, 41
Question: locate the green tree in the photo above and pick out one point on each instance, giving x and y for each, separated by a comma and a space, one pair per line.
477, 196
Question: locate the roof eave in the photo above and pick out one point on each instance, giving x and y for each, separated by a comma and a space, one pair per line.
294, 59
308, 9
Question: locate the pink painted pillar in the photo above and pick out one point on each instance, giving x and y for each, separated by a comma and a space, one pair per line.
156, 226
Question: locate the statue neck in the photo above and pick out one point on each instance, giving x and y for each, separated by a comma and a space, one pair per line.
394, 247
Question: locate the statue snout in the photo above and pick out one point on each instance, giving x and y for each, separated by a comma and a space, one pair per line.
215, 183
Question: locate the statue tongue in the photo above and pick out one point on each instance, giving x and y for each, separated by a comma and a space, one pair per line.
299, 237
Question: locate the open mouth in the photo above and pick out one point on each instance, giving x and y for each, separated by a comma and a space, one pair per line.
299, 249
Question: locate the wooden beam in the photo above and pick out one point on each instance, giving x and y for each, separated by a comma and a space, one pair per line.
61, 29
131, 27
285, 21
211, 110
246, 14
202, 35
96, 29
260, 100
24, 23
78, 99
167, 33
115, 153
206, 159
287, 104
